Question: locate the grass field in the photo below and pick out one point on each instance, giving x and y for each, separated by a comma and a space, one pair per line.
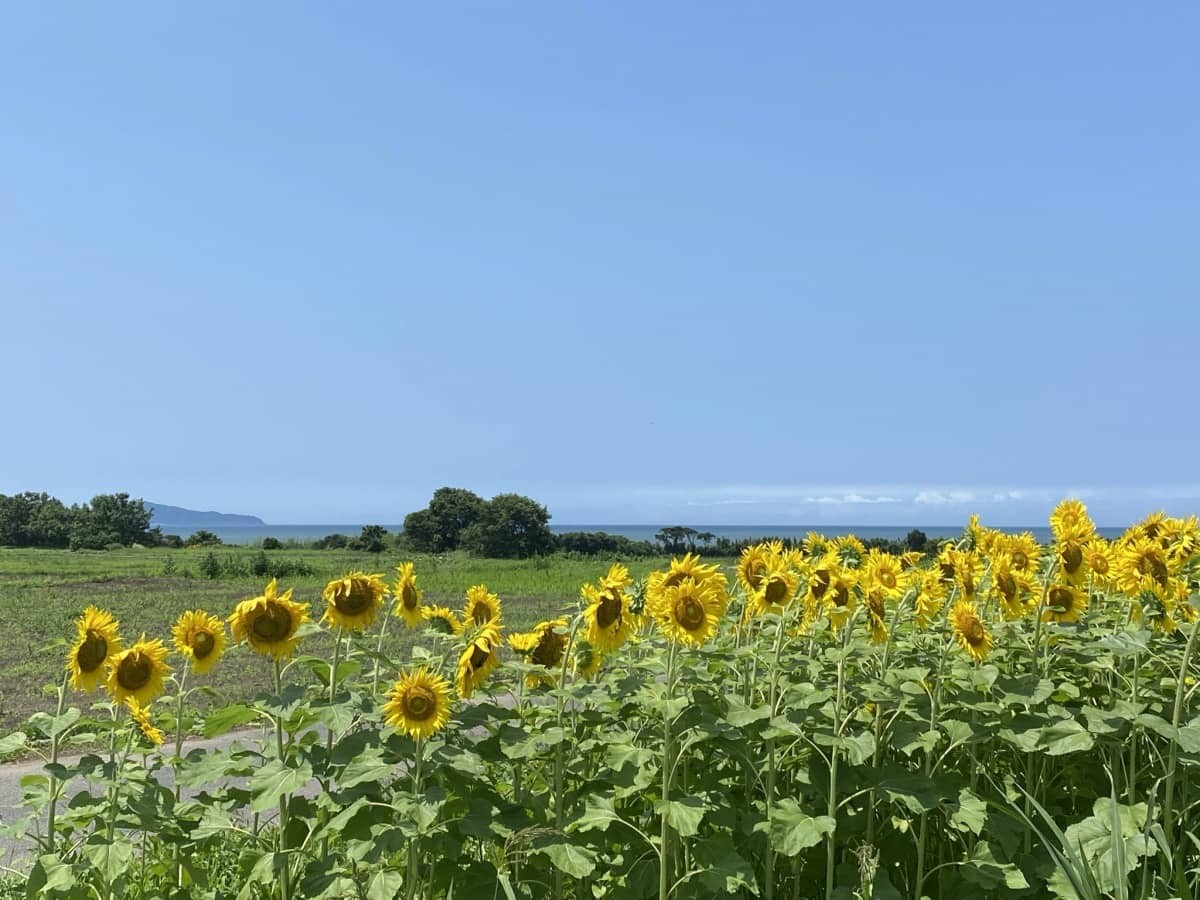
43, 591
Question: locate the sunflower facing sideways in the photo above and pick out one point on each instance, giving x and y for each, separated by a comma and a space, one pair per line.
543, 646
1064, 603
141, 717
353, 600
969, 630
418, 704
269, 623
96, 641
752, 567
441, 619
408, 595
477, 661
482, 606
200, 639
139, 672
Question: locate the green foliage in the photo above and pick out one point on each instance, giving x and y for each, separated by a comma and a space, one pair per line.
600, 543
270, 543
203, 538
438, 528
373, 539
510, 527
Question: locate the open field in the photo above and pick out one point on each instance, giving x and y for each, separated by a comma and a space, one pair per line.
43, 591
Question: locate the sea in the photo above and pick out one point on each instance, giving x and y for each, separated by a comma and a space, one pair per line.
253, 534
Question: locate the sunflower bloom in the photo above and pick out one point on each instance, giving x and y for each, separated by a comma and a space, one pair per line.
441, 619
689, 566
96, 641
543, 646
777, 587
1070, 522
1142, 565
609, 618
617, 578
139, 672
408, 595
931, 597
482, 606
850, 549
269, 623
752, 567
1024, 551
1064, 603
876, 604
477, 661
1098, 557
842, 597
586, 659
1011, 587
689, 611
418, 703
200, 639
353, 601
884, 573
969, 630
141, 715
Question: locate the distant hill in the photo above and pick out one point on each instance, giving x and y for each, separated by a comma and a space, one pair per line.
175, 516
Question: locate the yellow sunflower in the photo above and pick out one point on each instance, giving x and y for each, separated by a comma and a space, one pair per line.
138, 672
1011, 587
1098, 557
200, 639
968, 571
544, 646
689, 612
969, 630
478, 660
1180, 537
586, 659
850, 549
482, 607
752, 567
883, 572
441, 619
931, 597
617, 578
815, 545
96, 641
269, 623
608, 616
776, 589
842, 597
1070, 522
876, 604
689, 566
353, 600
1142, 565
141, 716
418, 703
1064, 603
1072, 562
1024, 551
408, 595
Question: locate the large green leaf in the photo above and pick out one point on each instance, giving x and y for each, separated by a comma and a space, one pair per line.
574, 860
790, 829
684, 815
274, 780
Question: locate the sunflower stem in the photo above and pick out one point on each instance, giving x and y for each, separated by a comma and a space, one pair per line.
285, 887
175, 764
831, 811
1037, 646
559, 761
1172, 754
387, 617
935, 697
55, 742
769, 861
664, 867
411, 872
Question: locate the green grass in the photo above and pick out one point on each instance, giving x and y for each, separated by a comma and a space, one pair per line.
43, 591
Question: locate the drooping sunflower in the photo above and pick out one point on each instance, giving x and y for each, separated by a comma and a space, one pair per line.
931, 597
752, 567
969, 630
1180, 538
418, 703
842, 597
441, 619
477, 661
586, 659
968, 571
1142, 565
690, 611
138, 672
1064, 603
1070, 522
353, 600
1156, 609
408, 595
850, 550
1072, 561
482, 606
776, 589
141, 716
617, 578
1011, 587
815, 545
543, 646
269, 623
200, 639
876, 604
608, 616
96, 641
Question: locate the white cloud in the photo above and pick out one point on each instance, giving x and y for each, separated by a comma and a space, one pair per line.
944, 497
849, 499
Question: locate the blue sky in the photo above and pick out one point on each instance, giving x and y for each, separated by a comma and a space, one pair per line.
645, 262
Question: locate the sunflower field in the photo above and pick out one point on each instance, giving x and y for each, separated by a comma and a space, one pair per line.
1001, 719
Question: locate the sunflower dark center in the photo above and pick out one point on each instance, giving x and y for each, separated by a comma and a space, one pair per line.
1154, 566
1072, 559
609, 611
674, 579
134, 672
481, 613
92, 652
974, 632
1062, 599
887, 579
841, 597
420, 704
1007, 585
356, 600
947, 571
549, 651
479, 656
203, 644
689, 612
1100, 565
776, 591
408, 597
968, 583
1020, 560
273, 624
820, 584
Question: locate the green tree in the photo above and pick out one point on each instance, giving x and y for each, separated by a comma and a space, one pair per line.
203, 538
511, 527
112, 519
374, 539
439, 527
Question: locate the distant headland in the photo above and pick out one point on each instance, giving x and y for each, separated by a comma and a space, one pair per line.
165, 516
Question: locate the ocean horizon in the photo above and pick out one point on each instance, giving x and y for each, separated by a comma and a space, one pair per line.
253, 534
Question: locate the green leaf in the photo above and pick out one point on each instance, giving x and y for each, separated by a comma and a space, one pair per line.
274, 780
790, 829
597, 815
683, 815
384, 885
227, 718
49, 873
578, 862
111, 860
971, 813
12, 743
368, 766
1063, 737
740, 715
723, 871
859, 748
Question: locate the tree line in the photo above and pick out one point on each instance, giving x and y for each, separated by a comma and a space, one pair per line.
109, 520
